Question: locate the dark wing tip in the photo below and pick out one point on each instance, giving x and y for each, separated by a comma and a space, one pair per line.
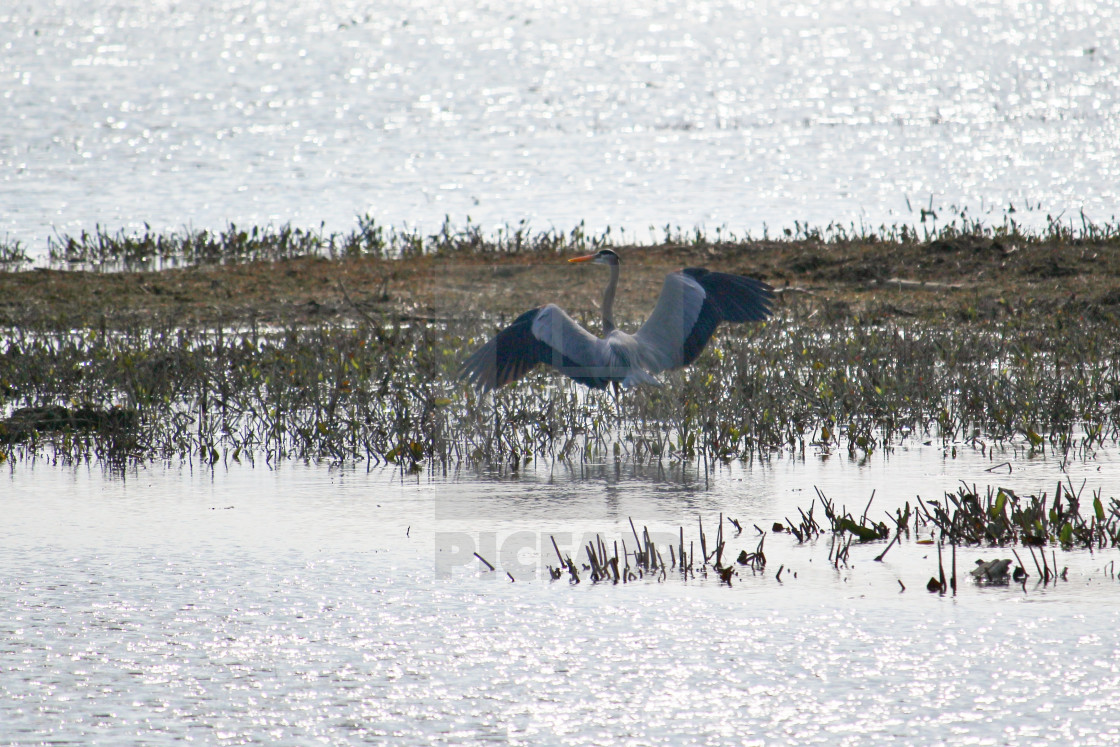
479, 370
505, 358
727, 298
735, 298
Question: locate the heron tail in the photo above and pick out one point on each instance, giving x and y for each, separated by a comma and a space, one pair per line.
639, 376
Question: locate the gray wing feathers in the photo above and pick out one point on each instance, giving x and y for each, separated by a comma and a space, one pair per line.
692, 304
546, 335
661, 339
576, 352
568, 339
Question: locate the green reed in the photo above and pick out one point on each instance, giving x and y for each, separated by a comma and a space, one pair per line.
384, 391
12, 254
1001, 517
143, 249
134, 250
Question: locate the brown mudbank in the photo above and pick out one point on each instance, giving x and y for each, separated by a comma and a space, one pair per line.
962, 278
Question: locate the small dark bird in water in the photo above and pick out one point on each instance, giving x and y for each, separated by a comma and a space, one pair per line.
693, 302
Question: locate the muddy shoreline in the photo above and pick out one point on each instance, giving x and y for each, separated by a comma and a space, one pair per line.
965, 279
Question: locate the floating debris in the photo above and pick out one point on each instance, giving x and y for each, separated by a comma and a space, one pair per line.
992, 571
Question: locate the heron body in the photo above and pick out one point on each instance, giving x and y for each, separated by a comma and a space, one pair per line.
692, 303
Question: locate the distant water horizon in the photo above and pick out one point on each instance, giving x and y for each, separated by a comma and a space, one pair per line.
730, 115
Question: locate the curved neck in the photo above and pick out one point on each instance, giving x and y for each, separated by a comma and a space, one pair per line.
608, 301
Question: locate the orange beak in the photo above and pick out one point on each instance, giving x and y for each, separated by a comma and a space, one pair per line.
587, 258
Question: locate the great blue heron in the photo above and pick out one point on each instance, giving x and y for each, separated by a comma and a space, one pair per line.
692, 302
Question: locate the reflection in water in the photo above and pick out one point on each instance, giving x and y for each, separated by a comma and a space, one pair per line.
306, 603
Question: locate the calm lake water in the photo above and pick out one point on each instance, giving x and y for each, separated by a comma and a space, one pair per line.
626, 114
252, 605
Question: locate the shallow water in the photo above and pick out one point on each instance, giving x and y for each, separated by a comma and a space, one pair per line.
627, 114
305, 602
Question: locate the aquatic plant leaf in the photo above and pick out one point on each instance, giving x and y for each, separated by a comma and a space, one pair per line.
1001, 502
864, 534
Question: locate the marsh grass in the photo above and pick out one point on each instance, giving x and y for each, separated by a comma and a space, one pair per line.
12, 254
135, 250
384, 391
130, 250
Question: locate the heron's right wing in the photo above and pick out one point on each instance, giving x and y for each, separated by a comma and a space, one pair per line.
545, 335
661, 339
692, 303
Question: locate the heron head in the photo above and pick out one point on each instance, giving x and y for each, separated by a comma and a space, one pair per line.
601, 257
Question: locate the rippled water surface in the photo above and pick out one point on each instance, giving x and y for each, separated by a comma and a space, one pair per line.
309, 603
628, 114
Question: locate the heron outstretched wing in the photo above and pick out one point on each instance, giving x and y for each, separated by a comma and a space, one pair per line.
545, 335
693, 302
